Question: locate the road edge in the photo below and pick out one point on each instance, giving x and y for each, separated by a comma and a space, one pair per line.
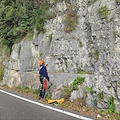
46, 106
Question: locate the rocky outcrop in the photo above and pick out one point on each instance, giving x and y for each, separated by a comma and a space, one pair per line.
93, 46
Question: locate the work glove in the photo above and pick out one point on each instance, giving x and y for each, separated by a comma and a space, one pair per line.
50, 82
46, 65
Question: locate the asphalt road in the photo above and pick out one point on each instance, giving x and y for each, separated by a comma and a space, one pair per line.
12, 108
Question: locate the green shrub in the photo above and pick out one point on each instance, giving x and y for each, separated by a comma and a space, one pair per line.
103, 12
4, 53
111, 105
66, 91
79, 80
18, 18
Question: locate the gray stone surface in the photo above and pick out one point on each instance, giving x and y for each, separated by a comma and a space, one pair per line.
64, 55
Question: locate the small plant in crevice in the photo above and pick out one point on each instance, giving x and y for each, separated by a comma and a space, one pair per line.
29, 36
96, 54
19, 49
50, 38
76, 109
89, 108
37, 91
115, 32
91, 1
73, 37
70, 20
111, 105
41, 54
89, 90
102, 113
118, 116
80, 42
100, 96
27, 89
79, 80
95, 102
18, 87
37, 33
47, 96
111, 19
5, 85
50, 15
1, 72
66, 90
54, 0
65, 64
118, 84
79, 70
103, 12
65, 106
85, 72
59, 71
118, 2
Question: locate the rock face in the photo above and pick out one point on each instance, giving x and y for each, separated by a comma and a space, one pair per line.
93, 46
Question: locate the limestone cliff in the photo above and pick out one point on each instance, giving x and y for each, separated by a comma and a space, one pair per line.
93, 46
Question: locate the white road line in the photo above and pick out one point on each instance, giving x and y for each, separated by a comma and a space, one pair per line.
46, 106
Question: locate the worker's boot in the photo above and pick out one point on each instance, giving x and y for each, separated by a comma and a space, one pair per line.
43, 93
40, 95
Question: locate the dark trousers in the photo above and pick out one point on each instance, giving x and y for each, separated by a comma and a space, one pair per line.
42, 91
